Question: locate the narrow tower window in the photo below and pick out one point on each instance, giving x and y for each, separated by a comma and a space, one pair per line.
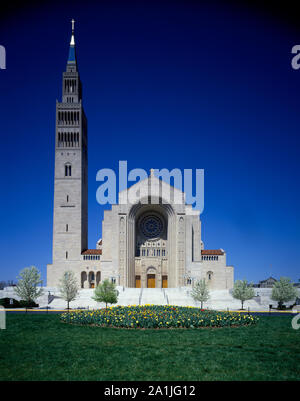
68, 170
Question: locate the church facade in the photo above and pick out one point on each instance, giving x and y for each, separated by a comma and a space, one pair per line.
154, 242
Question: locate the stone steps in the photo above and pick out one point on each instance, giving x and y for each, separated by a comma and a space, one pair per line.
153, 296
179, 297
220, 300
128, 296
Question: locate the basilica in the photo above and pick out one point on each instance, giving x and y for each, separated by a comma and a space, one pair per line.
152, 243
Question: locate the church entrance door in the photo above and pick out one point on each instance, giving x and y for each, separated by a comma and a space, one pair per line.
137, 281
164, 281
151, 280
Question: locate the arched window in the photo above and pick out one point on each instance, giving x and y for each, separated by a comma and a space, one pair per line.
209, 276
98, 277
83, 279
68, 170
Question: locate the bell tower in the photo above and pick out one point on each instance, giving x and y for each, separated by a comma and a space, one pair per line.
70, 216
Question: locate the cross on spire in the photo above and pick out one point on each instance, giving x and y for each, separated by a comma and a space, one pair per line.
73, 22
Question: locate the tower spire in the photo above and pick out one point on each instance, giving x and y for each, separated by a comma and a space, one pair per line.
72, 43
72, 90
72, 56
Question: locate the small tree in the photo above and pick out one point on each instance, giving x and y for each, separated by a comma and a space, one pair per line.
68, 286
243, 291
28, 281
200, 292
106, 292
283, 291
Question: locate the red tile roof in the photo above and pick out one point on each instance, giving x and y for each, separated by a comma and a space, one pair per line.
212, 252
92, 252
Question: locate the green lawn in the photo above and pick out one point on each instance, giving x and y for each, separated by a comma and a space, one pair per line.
40, 347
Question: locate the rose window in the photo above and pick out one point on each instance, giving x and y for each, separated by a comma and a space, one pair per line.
151, 226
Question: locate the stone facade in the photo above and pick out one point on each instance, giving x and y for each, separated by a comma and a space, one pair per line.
154, 241
157, 242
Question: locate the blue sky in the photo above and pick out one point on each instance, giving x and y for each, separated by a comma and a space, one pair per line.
168, 84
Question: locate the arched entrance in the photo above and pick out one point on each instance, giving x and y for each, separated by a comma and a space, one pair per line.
98, 278
91, 280
83, 280
150, 238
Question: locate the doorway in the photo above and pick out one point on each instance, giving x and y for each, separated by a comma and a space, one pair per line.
164, 281
137, 281
150, 280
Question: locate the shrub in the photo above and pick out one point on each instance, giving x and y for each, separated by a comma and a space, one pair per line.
157, 316
17, 304
28, 304
6, 303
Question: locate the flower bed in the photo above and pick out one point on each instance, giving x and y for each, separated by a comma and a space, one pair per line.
157, 316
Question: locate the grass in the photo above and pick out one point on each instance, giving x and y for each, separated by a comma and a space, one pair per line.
40, 347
